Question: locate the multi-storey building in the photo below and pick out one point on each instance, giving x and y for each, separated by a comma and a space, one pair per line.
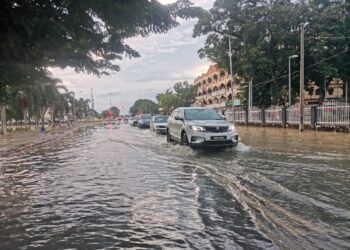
215, 89
333, 92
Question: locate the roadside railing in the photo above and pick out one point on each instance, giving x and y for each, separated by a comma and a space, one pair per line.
255, 116
322, 116
273, 116
240, 116
293, 115
333, 116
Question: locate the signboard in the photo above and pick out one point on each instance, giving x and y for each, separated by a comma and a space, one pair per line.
236, 103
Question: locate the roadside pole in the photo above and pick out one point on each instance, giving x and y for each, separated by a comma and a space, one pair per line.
301, 122
250, 96
231, 74
3, 120
346, 92
73, 107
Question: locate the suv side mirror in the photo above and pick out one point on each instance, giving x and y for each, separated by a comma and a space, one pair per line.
178, 118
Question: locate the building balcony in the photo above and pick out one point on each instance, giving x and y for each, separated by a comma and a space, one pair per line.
218, 92
216, 105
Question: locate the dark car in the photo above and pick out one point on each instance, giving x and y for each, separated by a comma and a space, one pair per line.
135, 120
144, 121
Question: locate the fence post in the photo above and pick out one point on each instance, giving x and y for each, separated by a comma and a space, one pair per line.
284, 117
247, 116
263, 117
313, 117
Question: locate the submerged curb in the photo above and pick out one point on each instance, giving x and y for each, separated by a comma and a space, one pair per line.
23, 147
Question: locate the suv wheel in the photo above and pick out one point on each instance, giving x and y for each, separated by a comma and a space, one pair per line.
184, 140
168, 136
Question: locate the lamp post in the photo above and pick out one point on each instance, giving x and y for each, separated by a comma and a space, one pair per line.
290, 80
230, 57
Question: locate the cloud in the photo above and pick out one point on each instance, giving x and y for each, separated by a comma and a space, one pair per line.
165, 59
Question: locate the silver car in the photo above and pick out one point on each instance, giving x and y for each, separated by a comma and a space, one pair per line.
200, 127
159, 124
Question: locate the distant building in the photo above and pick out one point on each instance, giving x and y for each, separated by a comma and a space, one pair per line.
215, 89
315, 95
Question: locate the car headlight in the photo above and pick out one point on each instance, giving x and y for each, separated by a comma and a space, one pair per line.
198, 128
231, 128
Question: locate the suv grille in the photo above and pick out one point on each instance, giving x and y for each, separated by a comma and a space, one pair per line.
217, 129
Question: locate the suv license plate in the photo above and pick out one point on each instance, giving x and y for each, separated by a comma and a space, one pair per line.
218, 138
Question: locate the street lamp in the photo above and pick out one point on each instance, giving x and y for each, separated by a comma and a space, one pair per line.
290, 80
230, 57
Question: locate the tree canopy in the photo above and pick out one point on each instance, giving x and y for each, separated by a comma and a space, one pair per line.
144, 106
89, 36
181, 95
267, 33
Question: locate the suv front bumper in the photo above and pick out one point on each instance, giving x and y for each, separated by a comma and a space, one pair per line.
203, 139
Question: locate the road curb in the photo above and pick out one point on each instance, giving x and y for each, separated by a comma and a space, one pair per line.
22, 148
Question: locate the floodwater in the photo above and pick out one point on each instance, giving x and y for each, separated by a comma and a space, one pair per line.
113, 187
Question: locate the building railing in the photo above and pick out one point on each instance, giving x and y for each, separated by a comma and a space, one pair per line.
218, 92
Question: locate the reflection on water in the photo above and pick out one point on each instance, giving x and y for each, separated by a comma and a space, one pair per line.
119, 187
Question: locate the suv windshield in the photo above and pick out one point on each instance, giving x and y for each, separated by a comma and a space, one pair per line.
201, 114
161, 119
145, 117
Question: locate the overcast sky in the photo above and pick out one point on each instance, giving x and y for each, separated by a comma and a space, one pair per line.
165, 59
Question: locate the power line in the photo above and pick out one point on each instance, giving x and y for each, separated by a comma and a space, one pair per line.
329, 37
295, 72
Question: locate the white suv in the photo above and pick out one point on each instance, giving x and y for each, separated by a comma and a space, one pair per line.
200, 127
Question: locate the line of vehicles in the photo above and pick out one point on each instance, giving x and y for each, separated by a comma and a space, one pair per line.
192, 126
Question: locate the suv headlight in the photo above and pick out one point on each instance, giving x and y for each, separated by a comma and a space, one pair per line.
198, 128
231, 128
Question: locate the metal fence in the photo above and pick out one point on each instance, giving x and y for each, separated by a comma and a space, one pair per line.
293, 115
273, 116
240, 116
255, 115
321, 116
333, 116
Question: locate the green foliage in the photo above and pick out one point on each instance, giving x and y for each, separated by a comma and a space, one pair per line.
267, 33
144, 106
89, 36
183, 96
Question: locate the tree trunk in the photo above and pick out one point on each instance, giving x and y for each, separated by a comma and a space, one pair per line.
3, 120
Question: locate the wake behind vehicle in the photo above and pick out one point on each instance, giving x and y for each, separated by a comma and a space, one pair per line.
144, 121
200, 127
159, 124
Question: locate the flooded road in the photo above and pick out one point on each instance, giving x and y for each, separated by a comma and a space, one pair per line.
112, 187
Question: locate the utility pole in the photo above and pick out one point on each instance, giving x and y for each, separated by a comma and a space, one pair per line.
3, 119
346, 92
231, 74
325, 88
290, 80
301, 124
92, 99
250, 96
73, 106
